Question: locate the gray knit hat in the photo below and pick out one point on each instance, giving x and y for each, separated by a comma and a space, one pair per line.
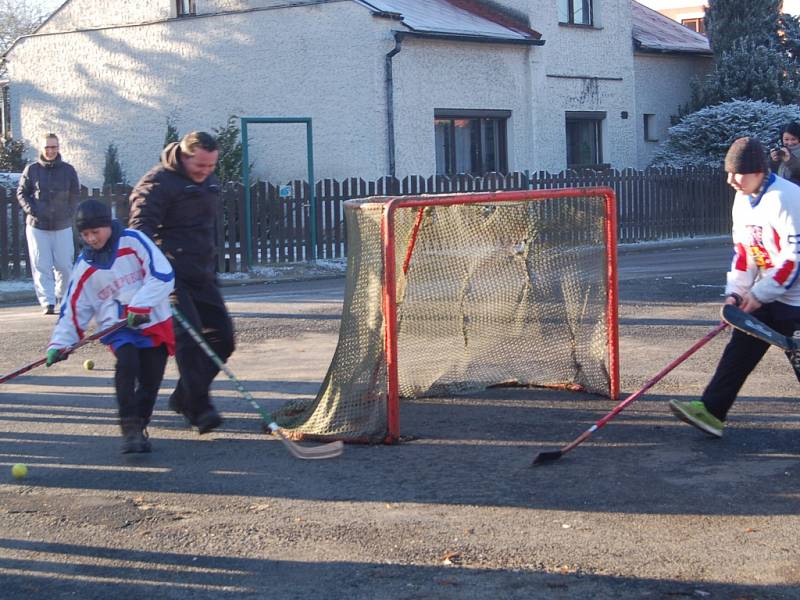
746, 155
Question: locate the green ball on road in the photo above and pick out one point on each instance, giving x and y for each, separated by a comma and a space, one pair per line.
88, 365
19, 471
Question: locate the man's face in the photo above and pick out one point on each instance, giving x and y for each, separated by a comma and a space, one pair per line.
96, 237
50, 148
747, 183
200, 165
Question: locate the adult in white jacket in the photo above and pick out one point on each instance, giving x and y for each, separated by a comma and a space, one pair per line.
121, 274
762, 279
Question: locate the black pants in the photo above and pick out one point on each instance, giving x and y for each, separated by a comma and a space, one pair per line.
743, 353
137, 377
205, 310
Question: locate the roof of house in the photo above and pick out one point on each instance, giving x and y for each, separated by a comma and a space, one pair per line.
459, 18
654, 32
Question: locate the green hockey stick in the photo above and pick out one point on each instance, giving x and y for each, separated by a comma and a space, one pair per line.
330, 450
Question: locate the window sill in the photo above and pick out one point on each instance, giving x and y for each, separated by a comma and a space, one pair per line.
580, 26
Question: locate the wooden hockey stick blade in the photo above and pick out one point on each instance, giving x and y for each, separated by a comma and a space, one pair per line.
330, 450
748, 324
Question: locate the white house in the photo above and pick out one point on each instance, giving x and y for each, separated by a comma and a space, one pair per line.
402, 87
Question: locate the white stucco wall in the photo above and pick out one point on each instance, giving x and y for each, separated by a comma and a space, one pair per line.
562, 72
119, 86
79, 14
433, 75
323, 60
663, 85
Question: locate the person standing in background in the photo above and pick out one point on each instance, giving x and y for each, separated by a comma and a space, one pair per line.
785, 158
175, 204
48, 193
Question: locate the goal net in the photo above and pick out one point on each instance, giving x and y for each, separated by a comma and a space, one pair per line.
451, 294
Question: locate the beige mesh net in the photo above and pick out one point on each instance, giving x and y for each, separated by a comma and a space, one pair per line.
487, 294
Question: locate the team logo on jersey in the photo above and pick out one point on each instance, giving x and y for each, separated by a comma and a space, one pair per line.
757, 250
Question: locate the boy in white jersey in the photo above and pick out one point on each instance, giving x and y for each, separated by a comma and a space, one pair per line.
762, 279
120, 274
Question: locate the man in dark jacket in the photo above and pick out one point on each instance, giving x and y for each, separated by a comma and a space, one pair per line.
175, 204
48, 194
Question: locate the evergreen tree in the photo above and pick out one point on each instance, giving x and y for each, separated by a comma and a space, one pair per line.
730, 20
112, 171
753, 71
172, 132
702, 138
229, 165
12, 156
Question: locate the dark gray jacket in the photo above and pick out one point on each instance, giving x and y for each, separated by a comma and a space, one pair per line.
179, 215
48, 192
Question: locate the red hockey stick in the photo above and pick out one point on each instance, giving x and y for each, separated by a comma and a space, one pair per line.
66, 351
545, 457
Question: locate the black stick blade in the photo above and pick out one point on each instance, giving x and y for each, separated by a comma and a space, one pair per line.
546, 457
751, 326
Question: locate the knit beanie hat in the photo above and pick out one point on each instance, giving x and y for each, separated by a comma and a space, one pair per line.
746, 155
92, 214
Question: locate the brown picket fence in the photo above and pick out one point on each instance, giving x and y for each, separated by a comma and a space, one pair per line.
654, 204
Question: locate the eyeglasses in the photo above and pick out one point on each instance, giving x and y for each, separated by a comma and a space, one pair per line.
51, 147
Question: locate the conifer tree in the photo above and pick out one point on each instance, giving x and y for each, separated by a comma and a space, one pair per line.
729, 21
112, 171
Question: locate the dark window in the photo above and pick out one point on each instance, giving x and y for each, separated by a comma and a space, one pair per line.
575, 12
698, 25
584, 139
186, 7
470, 142
650, 128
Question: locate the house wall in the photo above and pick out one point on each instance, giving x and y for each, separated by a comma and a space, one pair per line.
83, 14
431, 75
120, 85
663, 84
582, 69
80, 14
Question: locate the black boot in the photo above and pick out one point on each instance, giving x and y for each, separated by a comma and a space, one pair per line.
208, 421
134, 440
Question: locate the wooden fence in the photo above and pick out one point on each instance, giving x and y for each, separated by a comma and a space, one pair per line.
654, 204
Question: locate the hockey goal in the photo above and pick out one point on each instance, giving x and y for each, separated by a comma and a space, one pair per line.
447, 294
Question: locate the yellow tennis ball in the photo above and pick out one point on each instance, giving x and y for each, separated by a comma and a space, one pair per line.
19, 471
88, 365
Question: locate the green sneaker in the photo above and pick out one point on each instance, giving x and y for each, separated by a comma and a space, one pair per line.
695, 413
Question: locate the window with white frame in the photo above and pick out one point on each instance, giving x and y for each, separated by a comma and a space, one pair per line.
186, 8
470, 141
585, 139
575, 12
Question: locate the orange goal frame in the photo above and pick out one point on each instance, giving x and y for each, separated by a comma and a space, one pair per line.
389, 300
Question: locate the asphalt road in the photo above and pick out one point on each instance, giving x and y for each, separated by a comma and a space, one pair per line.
647, 508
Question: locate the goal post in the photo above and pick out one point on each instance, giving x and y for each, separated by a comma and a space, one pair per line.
447, 294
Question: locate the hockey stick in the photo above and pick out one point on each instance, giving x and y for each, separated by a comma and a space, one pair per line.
66, 351
545, 457
747, 323
330, 450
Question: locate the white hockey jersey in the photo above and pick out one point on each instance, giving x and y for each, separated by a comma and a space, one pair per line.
765, 240
136, 277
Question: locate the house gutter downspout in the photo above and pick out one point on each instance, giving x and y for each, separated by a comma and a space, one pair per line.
398, 40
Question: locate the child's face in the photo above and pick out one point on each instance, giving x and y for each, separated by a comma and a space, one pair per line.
96, 237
